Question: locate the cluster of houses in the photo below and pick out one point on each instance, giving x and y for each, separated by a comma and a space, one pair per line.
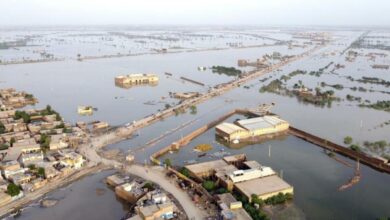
11, 99
36, 147
150, 203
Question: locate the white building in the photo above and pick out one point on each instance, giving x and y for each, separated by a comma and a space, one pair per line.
245, 175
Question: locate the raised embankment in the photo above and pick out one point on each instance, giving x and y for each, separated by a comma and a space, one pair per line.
373, 162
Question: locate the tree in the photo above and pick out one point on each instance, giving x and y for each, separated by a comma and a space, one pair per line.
32, 167
257, 200
2, 128
221, 190
167, 106
58, 117
48, 108
45, 141
13, 190
348, 140
22, 114
355, 147
168, 162
12, 141
185, 172
149, 186
194, 109
209, 185
41, 172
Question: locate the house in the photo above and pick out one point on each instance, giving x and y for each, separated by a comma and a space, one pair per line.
20, 178
31, 158
231, 209
58, 142
11, 168
72, 159
155, 212
100, 125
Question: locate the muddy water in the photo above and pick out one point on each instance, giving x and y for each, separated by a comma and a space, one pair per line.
314, 175
88, 198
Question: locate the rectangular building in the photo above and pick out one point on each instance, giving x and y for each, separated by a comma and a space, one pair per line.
264, 188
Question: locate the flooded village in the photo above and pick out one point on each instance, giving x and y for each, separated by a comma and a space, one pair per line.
239, 123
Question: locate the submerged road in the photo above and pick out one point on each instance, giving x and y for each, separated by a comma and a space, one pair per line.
154, 174
158, 174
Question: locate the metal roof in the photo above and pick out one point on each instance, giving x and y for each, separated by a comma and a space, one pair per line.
229, 128
260, 122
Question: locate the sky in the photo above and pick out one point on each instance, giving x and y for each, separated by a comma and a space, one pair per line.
195, 12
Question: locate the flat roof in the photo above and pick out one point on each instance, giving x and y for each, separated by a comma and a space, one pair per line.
149, 210
262, 186
252, 164
206, 166
13, 153
234, 158
260, 122
226, 198
229, 128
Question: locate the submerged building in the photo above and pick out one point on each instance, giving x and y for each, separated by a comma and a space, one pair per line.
136, 79
253, 127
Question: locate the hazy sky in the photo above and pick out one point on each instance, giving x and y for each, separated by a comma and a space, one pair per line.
195, 12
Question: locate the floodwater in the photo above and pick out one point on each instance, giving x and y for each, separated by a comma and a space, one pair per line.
315, 177
88, 198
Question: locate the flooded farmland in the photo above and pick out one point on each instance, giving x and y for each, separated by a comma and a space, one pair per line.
67, 83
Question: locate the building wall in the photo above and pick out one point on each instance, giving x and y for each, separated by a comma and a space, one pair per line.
268, 195
239, 135
270, 130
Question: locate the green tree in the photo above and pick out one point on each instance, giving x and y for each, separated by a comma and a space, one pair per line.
22, 114
185, 172
168, 162
45, 141
221, 190
355, 147
32, 167
48, 109
149, 186
41, 172
2, 128
193, 109
12, 141
348, 140
209, 185
257, 200
13, 190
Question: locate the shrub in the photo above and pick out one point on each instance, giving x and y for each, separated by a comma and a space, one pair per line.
209, 185
355, 147
168, 162
185, 172
348, 140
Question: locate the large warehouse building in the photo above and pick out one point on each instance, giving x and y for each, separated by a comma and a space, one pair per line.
247, 128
